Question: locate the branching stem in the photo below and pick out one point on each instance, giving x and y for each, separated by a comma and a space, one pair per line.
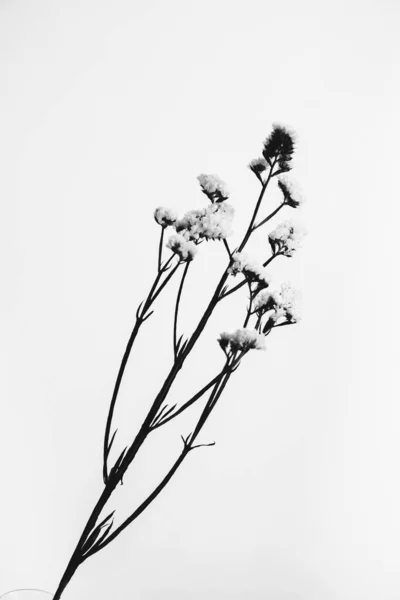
274, 212
220, 384
186, 405
93, 539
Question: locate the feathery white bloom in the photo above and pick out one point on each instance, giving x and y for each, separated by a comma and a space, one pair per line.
165, 216
287, 238
290, 301
213, 186
211, 223
279, 303
242, 339
287, 129
186, 250
249, 267
291, 191
264, 301
240, 261
258, 165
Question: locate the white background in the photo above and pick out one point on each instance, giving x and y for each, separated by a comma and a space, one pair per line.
108, 110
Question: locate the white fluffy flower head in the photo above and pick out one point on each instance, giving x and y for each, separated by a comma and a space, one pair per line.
258, 165
165, 216
242, 339
290, 301
287, 238
254, 270
291, 191
186, 250
287, 129
279, 303
211, 223
213, 187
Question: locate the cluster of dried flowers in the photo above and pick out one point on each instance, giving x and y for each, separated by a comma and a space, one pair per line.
268, 307
215, 223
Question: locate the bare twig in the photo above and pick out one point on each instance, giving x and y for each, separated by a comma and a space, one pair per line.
186, 405
160, 248
274, 212
178, 298
253, 218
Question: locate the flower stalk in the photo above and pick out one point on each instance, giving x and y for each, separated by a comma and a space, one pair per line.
265, 309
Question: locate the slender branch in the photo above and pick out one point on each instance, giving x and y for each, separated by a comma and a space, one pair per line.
166, 280
271, 258
163, 412
253, 218
178, 298
185, 442
160, 248
234, 289
77, 557
274, 212
249, 313
186, 405
219, 388
140, 318
227, 248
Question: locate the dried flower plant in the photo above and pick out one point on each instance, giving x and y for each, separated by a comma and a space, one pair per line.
268, 308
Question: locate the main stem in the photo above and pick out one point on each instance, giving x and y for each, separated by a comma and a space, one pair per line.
77, 556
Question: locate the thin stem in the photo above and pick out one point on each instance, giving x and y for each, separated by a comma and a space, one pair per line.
160, 248
215, 395
274, 212
253, 218
248, 315
77, 558
271, 258
186, 405
227, 248
139, 321
166, 280
178, 299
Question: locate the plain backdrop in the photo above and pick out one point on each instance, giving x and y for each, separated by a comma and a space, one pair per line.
109, 109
